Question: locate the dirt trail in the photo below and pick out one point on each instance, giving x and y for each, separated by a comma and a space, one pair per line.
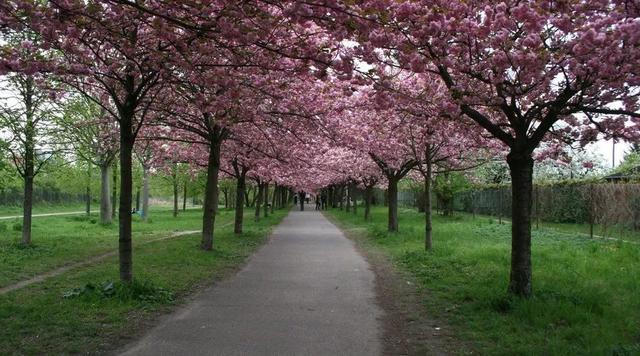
60, 270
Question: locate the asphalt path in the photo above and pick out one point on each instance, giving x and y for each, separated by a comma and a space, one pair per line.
305, 292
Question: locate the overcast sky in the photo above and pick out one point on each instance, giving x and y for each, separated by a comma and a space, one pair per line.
605, 149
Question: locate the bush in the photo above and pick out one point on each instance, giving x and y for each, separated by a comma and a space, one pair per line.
17, 226
3, 227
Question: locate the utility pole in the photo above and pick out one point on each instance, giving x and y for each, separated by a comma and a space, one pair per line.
613, 155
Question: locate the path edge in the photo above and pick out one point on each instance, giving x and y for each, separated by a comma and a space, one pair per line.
186, 298
407, 329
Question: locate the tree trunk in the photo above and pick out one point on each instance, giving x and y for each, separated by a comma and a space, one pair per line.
175, 194
428, 225
246, 197
348, 198
368, 193
114, 191
521, 170
273, 197
392, 193
105, 203
184, 197
301, 198
265, 191
145, 193
255, 190
258, 200
240, 186
225, 191
354, 189
88, 193
138, 199
124, 210
27, 208
211, 195
29, 164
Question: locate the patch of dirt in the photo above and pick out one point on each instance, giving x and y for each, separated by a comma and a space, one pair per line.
407, 327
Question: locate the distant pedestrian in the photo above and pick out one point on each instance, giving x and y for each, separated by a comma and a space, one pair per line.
318, 203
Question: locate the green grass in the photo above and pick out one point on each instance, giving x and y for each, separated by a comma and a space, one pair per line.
60, 240
599, 230
586, 292
47, 208
39, 320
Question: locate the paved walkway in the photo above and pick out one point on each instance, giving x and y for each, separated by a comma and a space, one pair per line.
306, 292
41, 215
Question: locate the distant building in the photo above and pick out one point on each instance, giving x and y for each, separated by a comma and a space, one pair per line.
633, 173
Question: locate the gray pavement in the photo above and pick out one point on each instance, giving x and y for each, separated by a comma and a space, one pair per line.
306, 292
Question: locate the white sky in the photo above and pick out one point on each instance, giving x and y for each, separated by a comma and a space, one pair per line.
604, 148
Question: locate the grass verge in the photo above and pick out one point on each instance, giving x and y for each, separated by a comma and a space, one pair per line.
61, 240
81, 311
587, 292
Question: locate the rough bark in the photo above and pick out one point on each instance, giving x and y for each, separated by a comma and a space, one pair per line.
29, 164
521, 170
88, 191
258, 200
239, 213
27, 208
273, 197
265, 191
184, 196
126, 186
392, 193
211, 194
105, 190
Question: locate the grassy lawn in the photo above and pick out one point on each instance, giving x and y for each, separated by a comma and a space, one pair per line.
60, 240
599, 230
100, 317
47, 208
587, 292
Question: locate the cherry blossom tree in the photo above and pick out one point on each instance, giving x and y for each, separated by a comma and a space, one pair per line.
525, 72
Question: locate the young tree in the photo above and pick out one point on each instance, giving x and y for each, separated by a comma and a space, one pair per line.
26, 115
94, 137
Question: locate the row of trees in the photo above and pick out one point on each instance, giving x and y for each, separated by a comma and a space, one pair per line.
329, 94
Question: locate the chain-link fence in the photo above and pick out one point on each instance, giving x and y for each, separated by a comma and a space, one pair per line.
605, 204
15, 196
